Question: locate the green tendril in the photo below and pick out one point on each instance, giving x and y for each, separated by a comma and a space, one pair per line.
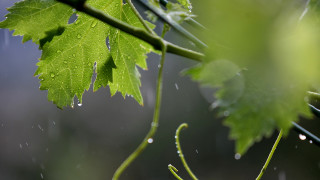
185, 165
174, 171
270, 155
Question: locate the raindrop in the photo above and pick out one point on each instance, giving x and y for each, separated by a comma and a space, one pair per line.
237, 156
197, 151
175, 137
40, 127
178, 152
150, 140
226, 113
79, 104
310, 142
177, 87
94, 23
153, 124
159, 66
52, 75
302, 137
79, 36
41, 175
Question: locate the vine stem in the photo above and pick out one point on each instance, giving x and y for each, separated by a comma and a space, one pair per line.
154, 40
184, 162
135, 11
154, 125
270, 155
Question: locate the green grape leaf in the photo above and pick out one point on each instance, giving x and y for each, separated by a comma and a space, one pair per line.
67, 62
127, 51
262, 63
33, 18
73, 53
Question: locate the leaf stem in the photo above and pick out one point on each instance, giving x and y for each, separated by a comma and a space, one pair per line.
184, 125
135, 11
140, 33
270, 155
154, 125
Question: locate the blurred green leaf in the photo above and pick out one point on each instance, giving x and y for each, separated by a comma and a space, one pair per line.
274, 45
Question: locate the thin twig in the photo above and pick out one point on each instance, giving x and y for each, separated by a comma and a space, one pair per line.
274, 147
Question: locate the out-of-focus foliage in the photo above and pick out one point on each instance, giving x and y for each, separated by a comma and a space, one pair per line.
263, 56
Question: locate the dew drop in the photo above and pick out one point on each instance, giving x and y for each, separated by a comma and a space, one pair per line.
150, 140
178, 152
302, 137
79, 36
58, 51
41, 175
159, 66
94, 23
310, 141
20, 145
197, 151
74, 55
65, 62
226, 113
52, 75
79, 104
237, 156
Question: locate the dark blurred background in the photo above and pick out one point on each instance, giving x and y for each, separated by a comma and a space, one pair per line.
40, 141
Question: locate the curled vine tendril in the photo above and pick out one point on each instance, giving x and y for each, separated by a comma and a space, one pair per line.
172, 169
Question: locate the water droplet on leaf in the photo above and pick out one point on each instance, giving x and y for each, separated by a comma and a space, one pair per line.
52, 75
94, 23
79, 36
